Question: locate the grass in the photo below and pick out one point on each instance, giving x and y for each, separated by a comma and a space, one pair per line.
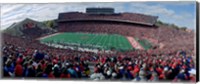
102, 41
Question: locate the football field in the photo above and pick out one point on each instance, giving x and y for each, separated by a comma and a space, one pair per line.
100, 41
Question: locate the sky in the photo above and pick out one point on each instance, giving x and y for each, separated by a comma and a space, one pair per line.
183, 14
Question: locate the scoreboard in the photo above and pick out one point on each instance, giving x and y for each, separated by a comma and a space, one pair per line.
100, 10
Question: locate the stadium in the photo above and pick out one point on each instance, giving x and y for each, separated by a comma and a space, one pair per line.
99, 44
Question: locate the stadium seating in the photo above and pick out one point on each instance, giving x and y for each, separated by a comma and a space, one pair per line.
28, 58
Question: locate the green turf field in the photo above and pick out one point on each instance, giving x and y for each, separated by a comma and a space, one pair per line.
102, 41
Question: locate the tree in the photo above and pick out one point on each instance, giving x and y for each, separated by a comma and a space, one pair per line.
174, 26
184, 28
160, 22
49, 24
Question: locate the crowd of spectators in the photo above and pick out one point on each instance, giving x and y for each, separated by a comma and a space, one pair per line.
108, 27
28, 58
34, 32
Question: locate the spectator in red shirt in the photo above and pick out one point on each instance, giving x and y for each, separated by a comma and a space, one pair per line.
18, 70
